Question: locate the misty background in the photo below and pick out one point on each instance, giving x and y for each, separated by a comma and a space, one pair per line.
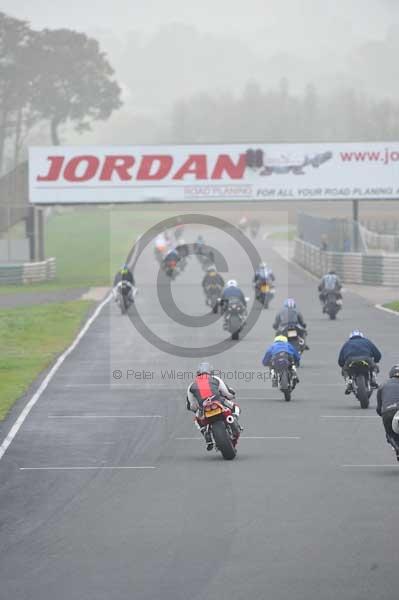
226, 71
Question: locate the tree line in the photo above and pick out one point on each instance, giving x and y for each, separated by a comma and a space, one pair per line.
279, 115
50, 76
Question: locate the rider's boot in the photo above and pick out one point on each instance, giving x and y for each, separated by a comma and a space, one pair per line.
349, 387
373, 382
207, 437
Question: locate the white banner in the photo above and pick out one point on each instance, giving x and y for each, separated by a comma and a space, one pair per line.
70, 175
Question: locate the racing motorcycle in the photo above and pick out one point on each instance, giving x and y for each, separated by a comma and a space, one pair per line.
295, 337
264, 293
283, 374
332, 305
235, 315
212, 296
125, 294
223, 426
170, 268
359, 371
254, 228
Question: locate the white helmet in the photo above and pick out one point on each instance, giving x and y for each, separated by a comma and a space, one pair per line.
395, 422
356, 333
232, 283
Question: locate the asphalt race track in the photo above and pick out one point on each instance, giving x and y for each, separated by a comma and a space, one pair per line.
305, 512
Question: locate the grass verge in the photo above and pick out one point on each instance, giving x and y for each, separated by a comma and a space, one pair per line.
288, 235
30, 339
89, 245
393, 305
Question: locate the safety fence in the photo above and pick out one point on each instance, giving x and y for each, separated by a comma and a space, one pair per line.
26, 273
379, 241
351, 267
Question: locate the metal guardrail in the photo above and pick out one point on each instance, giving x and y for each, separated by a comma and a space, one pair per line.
351, 267
27, 273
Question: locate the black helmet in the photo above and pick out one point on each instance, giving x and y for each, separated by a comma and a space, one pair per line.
394, 372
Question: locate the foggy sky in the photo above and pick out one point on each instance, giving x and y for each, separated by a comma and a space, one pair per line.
304, 20
218, 46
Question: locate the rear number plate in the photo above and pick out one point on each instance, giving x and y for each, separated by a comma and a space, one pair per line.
213, 413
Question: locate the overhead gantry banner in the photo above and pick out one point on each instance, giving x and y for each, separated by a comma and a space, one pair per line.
96, 174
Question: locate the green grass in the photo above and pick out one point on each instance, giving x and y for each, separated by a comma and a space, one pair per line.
30, 339
393, 305
89, 245
288, 235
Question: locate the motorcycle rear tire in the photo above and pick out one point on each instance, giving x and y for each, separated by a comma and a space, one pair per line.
222, 440
235, 327
362, 392
285, 386
287, 395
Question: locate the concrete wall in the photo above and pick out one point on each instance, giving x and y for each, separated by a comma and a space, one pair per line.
26, 273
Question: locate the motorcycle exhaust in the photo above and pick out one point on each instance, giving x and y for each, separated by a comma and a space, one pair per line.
230, 419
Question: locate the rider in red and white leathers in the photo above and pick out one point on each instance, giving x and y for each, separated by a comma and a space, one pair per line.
206, 385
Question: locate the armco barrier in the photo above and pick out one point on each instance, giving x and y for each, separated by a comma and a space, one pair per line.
26, 273
368, 269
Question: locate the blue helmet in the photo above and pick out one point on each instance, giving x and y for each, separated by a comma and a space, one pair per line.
289, 303
356, 333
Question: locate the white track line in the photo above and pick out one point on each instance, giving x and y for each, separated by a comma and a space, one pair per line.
388, 310
105, 417
25, 412
243, 437
391, 466
349, 417
82, 468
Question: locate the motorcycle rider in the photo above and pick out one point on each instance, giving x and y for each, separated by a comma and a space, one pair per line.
199, 245
281, 344
124, 274
289, 315
329, 283
264, 273
171, 257
207, 385
232, 291
212, 279
357, 346
387, 407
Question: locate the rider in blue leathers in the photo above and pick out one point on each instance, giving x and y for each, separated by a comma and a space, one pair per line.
280, 344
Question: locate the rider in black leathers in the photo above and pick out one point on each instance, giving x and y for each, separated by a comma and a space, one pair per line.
232, 292
357, 346
388, 405
212, 278
289, 315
